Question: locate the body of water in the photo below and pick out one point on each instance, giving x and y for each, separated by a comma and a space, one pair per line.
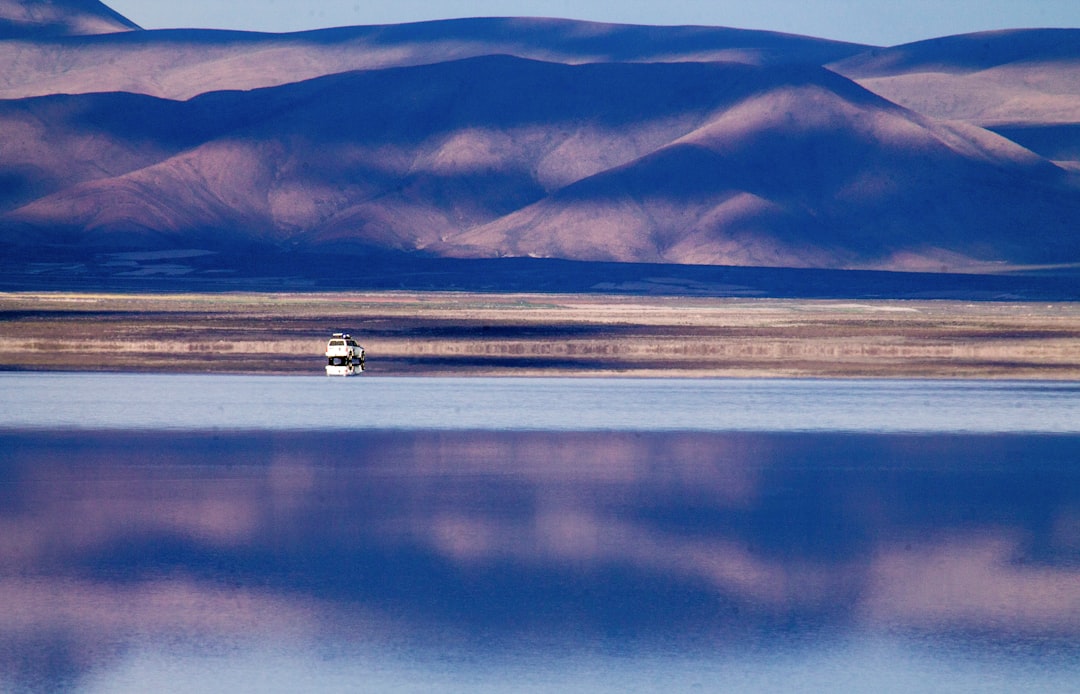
189, 402
227, 533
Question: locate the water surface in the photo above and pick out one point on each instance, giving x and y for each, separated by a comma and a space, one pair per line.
767, 537
180, 401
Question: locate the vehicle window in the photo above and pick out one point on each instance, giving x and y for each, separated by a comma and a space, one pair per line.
337, 343
352, 343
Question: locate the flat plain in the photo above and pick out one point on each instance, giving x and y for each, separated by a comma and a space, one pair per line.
541, 334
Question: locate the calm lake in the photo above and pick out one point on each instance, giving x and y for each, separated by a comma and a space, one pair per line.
278, 534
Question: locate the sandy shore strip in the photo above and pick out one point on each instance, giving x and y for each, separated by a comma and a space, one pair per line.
517, 334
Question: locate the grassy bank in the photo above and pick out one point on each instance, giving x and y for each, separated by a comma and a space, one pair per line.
520, 334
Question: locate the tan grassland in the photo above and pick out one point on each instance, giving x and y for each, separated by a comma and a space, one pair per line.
470, 334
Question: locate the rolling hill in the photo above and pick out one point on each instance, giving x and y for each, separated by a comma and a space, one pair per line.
34, 19
1020, 76
812, 172
182, 63
517, 138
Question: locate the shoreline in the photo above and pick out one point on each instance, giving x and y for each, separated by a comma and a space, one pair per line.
592, 335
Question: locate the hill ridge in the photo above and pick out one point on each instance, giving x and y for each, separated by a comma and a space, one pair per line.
56, 18
440, 150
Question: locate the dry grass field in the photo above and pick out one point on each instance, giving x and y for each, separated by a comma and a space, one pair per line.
470, 334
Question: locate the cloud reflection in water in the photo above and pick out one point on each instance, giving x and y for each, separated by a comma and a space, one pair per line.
419, 541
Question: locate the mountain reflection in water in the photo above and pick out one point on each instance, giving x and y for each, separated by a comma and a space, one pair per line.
419, 544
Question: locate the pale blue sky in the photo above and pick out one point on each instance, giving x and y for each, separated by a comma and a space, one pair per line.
880, 22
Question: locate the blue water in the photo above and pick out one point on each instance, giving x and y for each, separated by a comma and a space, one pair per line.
226, 533
180, 402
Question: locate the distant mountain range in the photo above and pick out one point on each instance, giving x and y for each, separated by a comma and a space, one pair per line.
126, 153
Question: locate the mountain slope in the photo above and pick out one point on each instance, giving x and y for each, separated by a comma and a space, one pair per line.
50, 144
681, 163
42, 18
994, 78
1058, 143
464, 142
493, 138
809, 173
180, 64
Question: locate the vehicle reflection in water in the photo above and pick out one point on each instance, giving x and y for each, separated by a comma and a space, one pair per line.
345, 369
445, 558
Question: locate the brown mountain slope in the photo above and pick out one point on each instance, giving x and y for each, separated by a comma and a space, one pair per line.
809, 173
400, 157
996, 78
180, 64
1058, 143
42, 18
50, 144
497, 156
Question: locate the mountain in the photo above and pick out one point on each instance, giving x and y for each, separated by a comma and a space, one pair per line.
1022, 84
991, 78
713, 163
182, 63
809, 171
492, 139
35, 19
